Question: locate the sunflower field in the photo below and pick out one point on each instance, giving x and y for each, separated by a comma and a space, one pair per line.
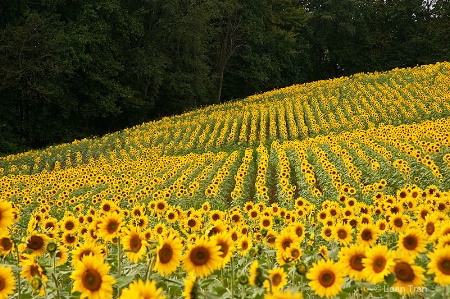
336, 188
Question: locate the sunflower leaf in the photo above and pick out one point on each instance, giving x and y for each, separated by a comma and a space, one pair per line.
390, 279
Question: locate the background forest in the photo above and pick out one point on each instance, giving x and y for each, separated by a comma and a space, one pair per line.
77, 68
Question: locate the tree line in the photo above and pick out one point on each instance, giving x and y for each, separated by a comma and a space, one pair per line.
72, 69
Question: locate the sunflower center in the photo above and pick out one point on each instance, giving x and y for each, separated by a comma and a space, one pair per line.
379, 264
192, 223
165, 254
224, 249
34, 270
444, 266
35, 243
266, 223
199, 256
398, 222
299, 231
356, 262
106, 207
69, 225
342, 234
135, 243
6, 243
366, 235
112, 227
410, 242
295, 253
85, 253
276, 280
430, 228
404, 272
327, 278
327, 232
244, 245
235, 218
286, 244
70, 239
91, 280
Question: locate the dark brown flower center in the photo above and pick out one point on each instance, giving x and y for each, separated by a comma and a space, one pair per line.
69, 225
379, 264
342, 234
35, 242
430, 228
112, 226
327, 278
356, 262
444, 266
398, 222
276, 280
91, 280
199, 256
6, 243
404, 272
224, 249
135, 243
410, 242
165, 254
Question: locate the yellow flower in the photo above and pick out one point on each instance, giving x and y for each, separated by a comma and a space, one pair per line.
7, 283
407, 275
6, 216
326, 278
283, 295
226, 244
140, 290
440, 265
110, 225
343, 233
367, 234
6, 244
377, 263
91, 278
86, 249
278, 279
202, 258
168, 254
351, 260
411, 243
134, 244
190, 287
37, 242
256, 277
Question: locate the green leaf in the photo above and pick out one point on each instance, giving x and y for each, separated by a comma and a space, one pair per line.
390, 279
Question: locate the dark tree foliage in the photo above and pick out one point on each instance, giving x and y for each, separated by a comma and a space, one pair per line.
72, 69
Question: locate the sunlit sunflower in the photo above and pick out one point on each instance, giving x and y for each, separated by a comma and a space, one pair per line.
110, 226
343, 233
70, 239
168, 254
327, 233
202, 258
440, 265
37, 243
298, 228
256, 277
31, 268
431, 224
398, 222
382, 225
91, 278
226, 244
367, 234
191, 288
171, 215
69, 224
134, 244
6, 244
244, 244
278, 279
270, 238
7, 283
326, 278
6, 216
351, 260
286, 239
142, 290
411, 243
61, 255
323, 251
86, 249
407, 275
377, 263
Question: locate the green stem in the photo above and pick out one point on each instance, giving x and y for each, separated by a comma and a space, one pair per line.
149, 269
119, 260
56, 285
232, 277
18, 273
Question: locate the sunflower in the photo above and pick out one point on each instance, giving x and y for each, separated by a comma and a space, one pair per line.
440, 265
171, 215
85, 249
168, 254
431, 223
226, 244
398, 222
6, 244
110, 226
257, 276
299, 229
286, 239
343, 233
31, 268
278, 279
91, 278
377, 263
140, 290
6, 216
326, 279
244, 245
411, 243
266, 222
270, 238
7, 283
351, 260
69, 224
367, 234
327, 233
323, 251
70, 239
37, 243
407, 275
61, 255
202, 258
134, 244
191, 288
